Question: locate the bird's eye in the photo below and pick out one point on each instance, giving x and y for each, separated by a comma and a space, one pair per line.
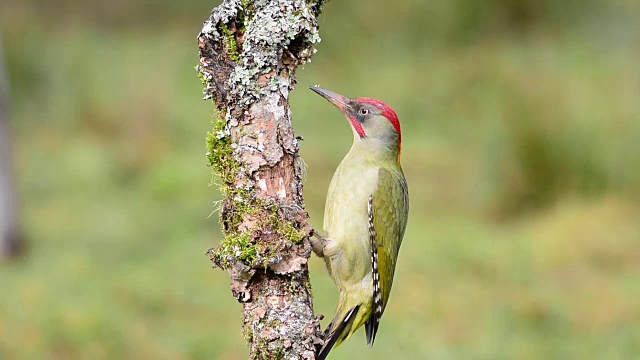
364, 112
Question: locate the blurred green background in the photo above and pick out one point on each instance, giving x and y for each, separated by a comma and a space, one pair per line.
521, 122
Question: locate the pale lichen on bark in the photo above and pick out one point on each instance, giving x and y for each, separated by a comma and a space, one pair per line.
249, 52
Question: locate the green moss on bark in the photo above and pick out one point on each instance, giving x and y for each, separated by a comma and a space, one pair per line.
229, 39
220, 153
244, 217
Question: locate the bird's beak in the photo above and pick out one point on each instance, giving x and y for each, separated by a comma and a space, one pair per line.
336, 99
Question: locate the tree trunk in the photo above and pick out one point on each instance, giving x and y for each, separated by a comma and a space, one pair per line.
9, 229
249, 51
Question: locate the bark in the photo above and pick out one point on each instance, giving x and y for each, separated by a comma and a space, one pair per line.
249, 52
10, 244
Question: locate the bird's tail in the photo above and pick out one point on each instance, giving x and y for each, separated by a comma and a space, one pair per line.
340, 328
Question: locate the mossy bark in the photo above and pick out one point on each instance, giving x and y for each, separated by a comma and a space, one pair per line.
249, 52
10, 242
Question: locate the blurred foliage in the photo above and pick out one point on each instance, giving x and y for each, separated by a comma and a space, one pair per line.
521, 126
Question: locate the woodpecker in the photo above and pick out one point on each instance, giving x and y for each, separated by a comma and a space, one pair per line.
365, 218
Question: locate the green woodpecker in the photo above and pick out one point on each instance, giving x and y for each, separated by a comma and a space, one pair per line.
365, 217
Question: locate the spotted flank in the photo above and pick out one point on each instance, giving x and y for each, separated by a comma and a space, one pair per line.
371, 326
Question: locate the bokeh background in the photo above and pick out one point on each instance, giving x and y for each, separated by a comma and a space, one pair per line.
521, 147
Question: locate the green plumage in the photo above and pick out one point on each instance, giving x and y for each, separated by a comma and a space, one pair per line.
365, 217
390, 210
348, 252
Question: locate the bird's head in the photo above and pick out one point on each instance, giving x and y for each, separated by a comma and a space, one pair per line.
371, 119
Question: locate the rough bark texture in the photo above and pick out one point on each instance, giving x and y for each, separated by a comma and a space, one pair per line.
9, 229
249, 51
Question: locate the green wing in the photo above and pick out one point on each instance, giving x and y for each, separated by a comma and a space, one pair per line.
388, 212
